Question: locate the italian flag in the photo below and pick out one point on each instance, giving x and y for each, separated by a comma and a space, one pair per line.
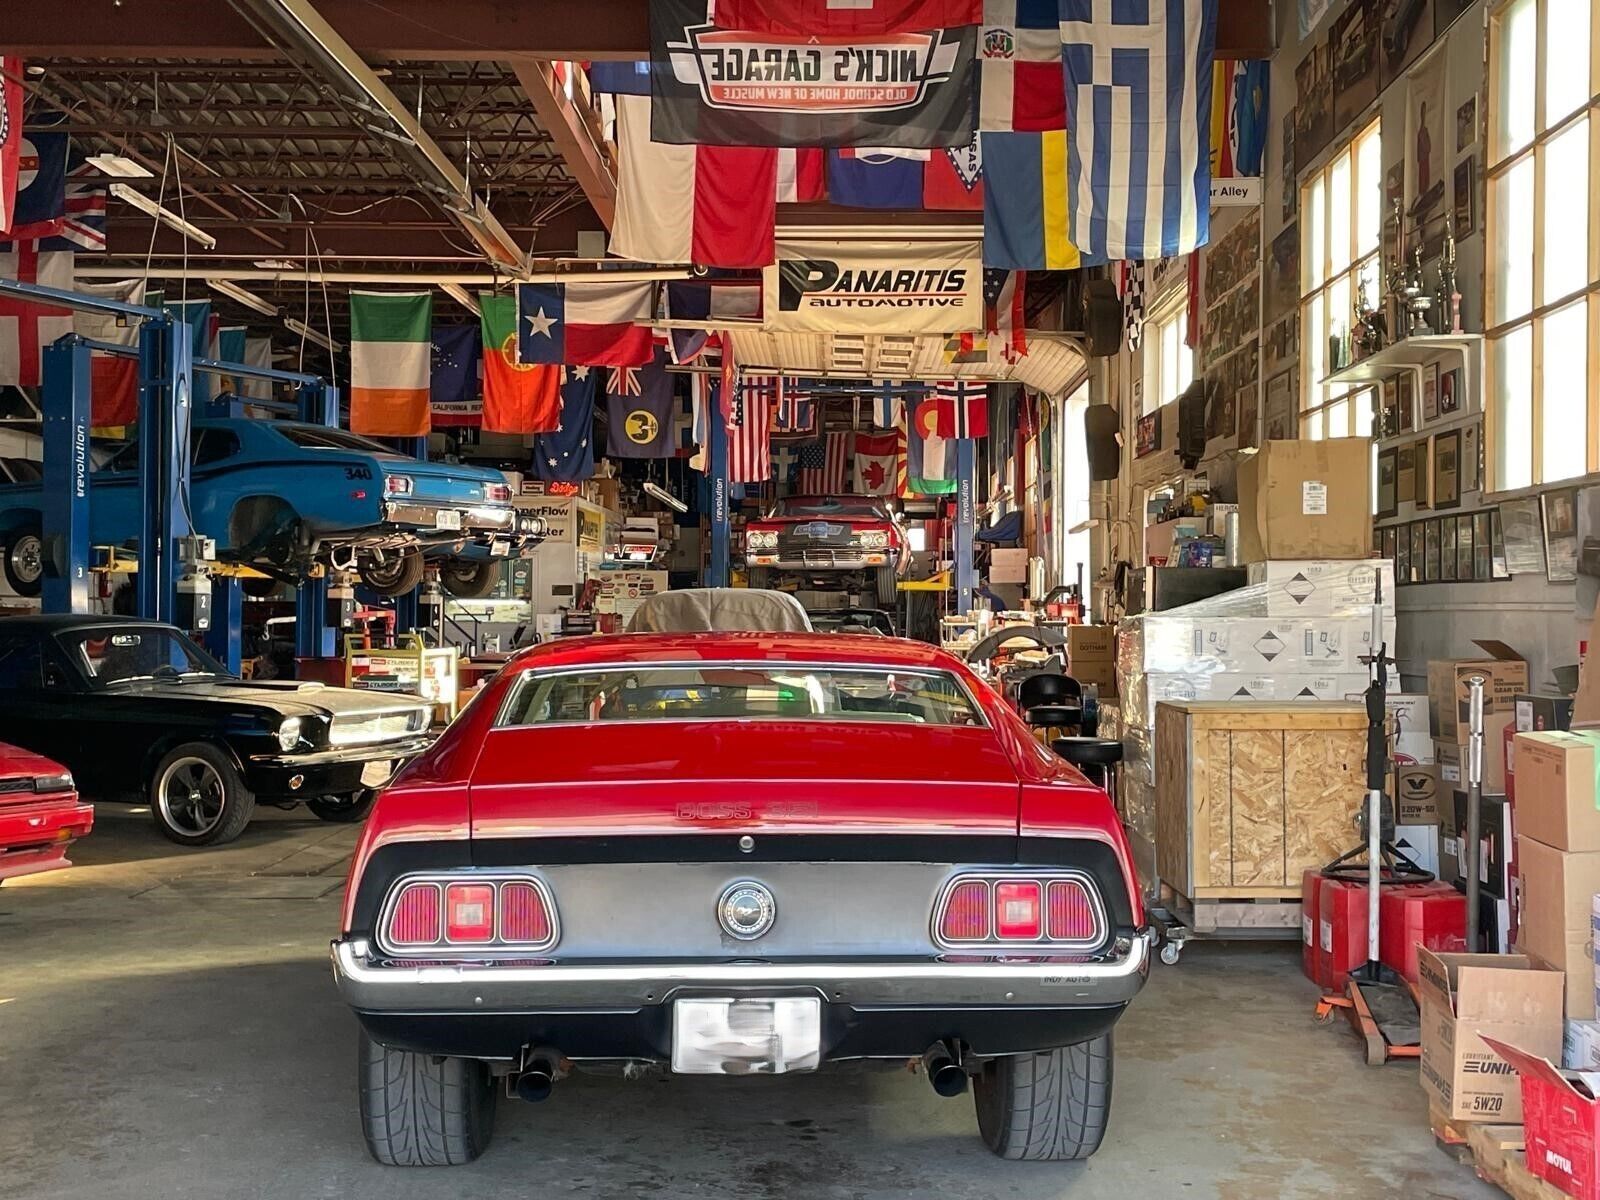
390, 361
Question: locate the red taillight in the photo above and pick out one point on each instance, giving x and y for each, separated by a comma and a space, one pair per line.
1018, 910
966, 913
415, 921
496, 491
1070, 914
469, 912
524, 920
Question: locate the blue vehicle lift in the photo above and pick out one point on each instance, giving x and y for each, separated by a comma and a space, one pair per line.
718, 568
165, 410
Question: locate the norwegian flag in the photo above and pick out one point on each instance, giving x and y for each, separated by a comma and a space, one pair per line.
963, 410
1003, 317
793, 410
825, 465
749, 456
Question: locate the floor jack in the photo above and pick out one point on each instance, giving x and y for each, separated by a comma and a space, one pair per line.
1379, 1003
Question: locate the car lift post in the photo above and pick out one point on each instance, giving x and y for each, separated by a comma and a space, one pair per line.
165, 391
408, 608
313, 637
718, 565
66, 476
965, 522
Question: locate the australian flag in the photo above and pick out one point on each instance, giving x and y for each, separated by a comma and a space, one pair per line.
567, 455
1138, 86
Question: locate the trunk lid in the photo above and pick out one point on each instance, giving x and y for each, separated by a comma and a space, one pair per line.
657, 777
446, 482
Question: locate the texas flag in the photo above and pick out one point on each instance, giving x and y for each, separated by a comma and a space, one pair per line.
588, 324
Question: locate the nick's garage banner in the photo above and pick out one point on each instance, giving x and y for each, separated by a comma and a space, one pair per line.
860, 286
742, 87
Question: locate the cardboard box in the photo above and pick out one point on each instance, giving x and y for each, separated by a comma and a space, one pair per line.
1416, 795
1561, 1119
1558, 791
1465, 996
1101, 672
1085, 642
1575, 965
1306, 499
1558, 889
1274, 644
1450, 756
1580, 1046
1543, 712
1505, 677
1322, 587
1420, 843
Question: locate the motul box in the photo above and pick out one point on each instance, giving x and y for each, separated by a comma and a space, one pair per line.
1464, 997
1561, 1120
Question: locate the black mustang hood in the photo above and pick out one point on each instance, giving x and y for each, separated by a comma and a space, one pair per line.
288, 697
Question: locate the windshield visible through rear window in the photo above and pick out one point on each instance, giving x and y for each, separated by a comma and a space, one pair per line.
831, 506
739, 692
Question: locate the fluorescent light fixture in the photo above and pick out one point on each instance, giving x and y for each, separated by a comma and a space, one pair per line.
1084, 526
651, 488
311, 335
119, 165
249, 299
165, 215
275, 264
462, 297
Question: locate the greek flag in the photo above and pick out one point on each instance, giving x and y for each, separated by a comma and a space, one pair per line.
1138, 85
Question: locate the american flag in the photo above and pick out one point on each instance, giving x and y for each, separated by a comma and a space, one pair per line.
825, 465
963, 408
749, 455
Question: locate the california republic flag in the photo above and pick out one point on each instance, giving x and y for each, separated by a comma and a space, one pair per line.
877, 464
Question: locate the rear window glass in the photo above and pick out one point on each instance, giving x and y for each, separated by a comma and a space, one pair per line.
831, 506
736, 692
321, 438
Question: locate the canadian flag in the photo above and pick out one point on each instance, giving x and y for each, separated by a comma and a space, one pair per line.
877, 464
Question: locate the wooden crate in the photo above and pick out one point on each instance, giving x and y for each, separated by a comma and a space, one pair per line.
1251, 793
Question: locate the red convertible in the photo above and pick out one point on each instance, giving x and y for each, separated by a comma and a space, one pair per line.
39, 813
738, 853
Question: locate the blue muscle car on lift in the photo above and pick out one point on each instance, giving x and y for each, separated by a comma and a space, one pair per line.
279, 496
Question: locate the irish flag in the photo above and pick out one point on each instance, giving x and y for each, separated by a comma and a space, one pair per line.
390, 362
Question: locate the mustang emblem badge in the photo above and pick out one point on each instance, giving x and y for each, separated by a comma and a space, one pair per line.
746, 910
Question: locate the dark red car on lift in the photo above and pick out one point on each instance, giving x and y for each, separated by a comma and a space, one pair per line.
833, 542
39, 813
738, 853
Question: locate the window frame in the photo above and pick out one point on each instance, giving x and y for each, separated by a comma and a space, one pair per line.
1171, 311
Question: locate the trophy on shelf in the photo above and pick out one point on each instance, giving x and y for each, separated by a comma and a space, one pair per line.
1414, 292
1449, 298
1362, 337
1394, 301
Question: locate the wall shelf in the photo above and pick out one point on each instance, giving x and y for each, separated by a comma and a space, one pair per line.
1411, 355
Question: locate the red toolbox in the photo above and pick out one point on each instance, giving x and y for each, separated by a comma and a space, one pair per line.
1310, 890
1342, 926
1433, 914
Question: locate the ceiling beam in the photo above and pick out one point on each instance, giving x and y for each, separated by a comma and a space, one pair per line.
573, 138
462, 31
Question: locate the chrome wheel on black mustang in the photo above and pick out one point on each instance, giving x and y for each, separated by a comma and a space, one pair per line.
763, 791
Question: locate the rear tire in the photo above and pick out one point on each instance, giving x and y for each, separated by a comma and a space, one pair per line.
399, 573
418, 1110
23, 559
884, 583
759, 577
1049, 1107
468, 580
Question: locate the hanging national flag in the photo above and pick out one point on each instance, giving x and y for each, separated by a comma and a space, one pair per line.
10, 134
952, 178
825, 464
620, 78
566, 453
800, 175
41, 197
749, 451
230, 349
1138, 161
791, 407
257, 353
27, 328
1004, 315
963, 408
1025, 222
455, 388
888, 410
966, 348
712, 205
832, 18
785, 461
82, 226
518, 397
707, 300
389, 361
877, 463
1020, 85
589, 323
1132, 274
873, 177
929, 462
114, 378
639, 410
1238, 117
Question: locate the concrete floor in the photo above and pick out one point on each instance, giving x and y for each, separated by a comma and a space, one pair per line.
168, 1028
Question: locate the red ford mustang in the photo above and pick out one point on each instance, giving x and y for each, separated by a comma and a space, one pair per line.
738, 853
39, 813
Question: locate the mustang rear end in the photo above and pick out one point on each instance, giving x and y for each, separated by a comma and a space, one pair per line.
740, 854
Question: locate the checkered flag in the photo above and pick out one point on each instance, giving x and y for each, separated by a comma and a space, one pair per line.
1133, 303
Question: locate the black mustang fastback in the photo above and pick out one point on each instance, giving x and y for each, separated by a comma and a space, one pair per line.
133, 706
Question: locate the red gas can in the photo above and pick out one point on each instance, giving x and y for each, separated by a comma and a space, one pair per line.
1310, 890
1434, 914
1342, 930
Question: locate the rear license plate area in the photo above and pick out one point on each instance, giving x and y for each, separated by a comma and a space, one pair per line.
447, 518
746, 1036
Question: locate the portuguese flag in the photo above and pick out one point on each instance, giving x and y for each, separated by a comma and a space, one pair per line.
390, 361
517, 397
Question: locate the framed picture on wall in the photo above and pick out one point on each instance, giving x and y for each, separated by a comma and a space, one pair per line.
1402, 555
1388, 496
1430, 392
1423, 492
1419, 554
1405, 386
1430, 559
1450, 392
1447, 548
1147, 434
1405, 475
1560, 512
1461, 206
1482, 547
1447, 469
1466, 547
1390, 541
1499, 564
